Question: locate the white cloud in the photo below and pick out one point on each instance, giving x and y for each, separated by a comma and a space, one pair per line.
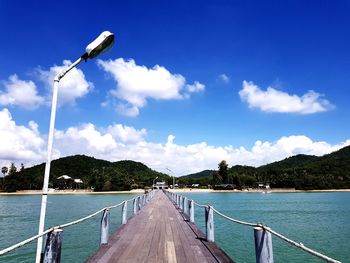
224, 78
19, 143
195, 87
20, 93
136, 84
126, 134
273, 100
72, 86
119, 142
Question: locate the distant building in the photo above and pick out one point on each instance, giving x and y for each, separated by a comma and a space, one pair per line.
262, 185
160, 185
224, 187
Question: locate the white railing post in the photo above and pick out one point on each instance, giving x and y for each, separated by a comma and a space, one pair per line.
209, 223
139, 203
185, 205
181, 203
135, 205
52, 251
125, 212
263, 245
105, 227
191, 211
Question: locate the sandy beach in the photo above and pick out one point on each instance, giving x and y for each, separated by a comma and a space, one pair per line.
182, 190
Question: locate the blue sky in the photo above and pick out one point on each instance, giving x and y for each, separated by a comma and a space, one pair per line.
187, 84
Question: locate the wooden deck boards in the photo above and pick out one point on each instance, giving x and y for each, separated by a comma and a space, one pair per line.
159, 232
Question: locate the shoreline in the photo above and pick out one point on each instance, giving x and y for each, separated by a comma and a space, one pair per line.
182, 190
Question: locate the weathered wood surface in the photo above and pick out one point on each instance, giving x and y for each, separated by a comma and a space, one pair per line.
159, 232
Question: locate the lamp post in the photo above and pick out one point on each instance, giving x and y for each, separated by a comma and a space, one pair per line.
154, 180
101, 44
172, 175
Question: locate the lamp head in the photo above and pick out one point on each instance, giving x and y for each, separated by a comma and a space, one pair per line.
102, 43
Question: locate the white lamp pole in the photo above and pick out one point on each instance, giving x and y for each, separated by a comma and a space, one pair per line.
172, 175
101, 44
154, 180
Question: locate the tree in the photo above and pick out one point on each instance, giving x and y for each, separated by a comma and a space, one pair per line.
13, 169
217, 179
223, 171
4, 170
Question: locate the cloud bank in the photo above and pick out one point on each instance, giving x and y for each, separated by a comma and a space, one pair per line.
120, 142
20, 93
136, 84
272, 100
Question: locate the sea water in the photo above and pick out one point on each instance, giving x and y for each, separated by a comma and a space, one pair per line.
318, 220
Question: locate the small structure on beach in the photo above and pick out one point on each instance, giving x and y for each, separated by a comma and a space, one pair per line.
160, 185
260, 185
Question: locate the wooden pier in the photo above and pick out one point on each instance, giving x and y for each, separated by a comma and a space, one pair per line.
159, 232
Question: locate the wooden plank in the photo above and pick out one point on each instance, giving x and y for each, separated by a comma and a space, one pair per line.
159, 233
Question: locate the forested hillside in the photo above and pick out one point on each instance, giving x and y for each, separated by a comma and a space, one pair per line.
98, 174
331, 171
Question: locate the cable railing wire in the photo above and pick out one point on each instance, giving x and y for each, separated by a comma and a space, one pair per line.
31, 239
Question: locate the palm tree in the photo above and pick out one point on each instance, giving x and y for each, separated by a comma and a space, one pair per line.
4, 170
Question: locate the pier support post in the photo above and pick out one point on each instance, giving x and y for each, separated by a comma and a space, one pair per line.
125, 212
135, 205
181, 203
139, 203
52, 251
191, 211
209, 223
263, 245
185, 205
105, 227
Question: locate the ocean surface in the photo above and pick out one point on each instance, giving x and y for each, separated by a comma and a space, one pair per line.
320, 221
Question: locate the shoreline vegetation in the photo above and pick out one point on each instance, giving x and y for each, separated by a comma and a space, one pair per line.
301, 172
182, 190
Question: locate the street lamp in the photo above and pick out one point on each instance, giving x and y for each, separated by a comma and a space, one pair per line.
172, 175
154, 180
101, 44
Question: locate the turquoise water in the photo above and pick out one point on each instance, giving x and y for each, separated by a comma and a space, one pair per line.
319, 220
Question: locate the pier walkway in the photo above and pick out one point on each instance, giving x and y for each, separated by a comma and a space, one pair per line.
159, 233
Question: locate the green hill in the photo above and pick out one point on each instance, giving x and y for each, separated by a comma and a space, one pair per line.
300, 171
205, 173
310, 172
98, 174
331, 171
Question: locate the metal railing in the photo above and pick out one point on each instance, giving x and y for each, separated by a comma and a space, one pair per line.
52, 250
262, 233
